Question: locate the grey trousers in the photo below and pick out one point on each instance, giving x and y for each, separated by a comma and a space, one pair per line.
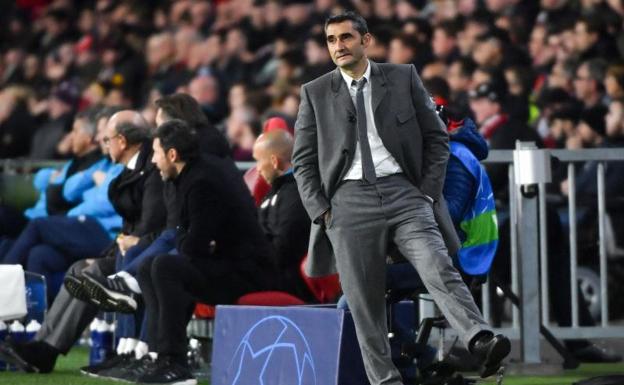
68, 317
364, 219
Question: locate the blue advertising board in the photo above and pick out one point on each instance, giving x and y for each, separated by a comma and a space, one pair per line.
256, 345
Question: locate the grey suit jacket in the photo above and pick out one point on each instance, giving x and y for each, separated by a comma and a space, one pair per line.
325, 142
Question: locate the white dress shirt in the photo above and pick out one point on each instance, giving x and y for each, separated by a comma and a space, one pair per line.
385, 164
132, 163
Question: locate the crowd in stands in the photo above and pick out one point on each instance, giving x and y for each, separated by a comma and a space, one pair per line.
91, 82
555, 64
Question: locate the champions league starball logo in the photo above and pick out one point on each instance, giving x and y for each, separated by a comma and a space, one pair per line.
273, 352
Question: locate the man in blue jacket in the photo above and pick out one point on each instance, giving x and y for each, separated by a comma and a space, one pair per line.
70, 194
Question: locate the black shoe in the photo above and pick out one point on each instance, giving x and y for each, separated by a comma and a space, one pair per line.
490, 350
595, 354
112, 294
131, 371
95, 370
167, 371
30, 357
75, 286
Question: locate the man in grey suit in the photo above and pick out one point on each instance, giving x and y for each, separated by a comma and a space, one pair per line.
369, 159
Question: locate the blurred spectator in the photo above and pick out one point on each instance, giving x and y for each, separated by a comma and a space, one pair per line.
542, 54
318, 61
550, 100
519, 81
606, 135
439, 90
16, 123
242, 129
378, 48
237, 96
486, 102
434, 69
614, 82
588, 83
60, 108
591, 128
444, 42
562, 75
56, 29
459, 79
206, 91
589, 39
405, 49
562, 123
489, 51
478, 24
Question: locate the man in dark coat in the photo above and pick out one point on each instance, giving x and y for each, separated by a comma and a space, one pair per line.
222, 251
282, 216
186, 108
137, 194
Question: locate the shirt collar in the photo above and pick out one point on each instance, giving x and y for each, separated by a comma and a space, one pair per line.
349, 79
133, 161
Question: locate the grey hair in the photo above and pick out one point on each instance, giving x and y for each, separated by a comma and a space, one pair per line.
89, 118
597, 69
134, 133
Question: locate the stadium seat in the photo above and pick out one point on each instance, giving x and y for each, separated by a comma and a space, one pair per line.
325, 289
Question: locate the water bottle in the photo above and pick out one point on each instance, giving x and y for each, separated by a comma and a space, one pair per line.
17, 332
101, 342
31, 329
107, 339
3, 334
3, 331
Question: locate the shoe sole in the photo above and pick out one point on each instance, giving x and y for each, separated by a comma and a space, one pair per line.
76, 288
495, 357
89, 374
190, 381
10, 356
109, 300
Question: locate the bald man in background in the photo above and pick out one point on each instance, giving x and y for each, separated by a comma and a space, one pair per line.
282, 217
136, 194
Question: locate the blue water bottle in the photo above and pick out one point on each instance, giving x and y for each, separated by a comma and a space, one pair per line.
101, 342
3, 334
17, 333
31, 329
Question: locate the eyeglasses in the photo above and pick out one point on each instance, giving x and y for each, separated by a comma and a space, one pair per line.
106, 140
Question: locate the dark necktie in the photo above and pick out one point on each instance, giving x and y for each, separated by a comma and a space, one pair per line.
368, 167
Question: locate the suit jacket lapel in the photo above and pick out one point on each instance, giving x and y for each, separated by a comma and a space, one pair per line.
341, 92
378, 84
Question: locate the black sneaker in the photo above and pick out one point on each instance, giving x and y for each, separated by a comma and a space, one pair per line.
490, 350
75, 286
167, 371
112, 294
95, 370
30, 357
131, 371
